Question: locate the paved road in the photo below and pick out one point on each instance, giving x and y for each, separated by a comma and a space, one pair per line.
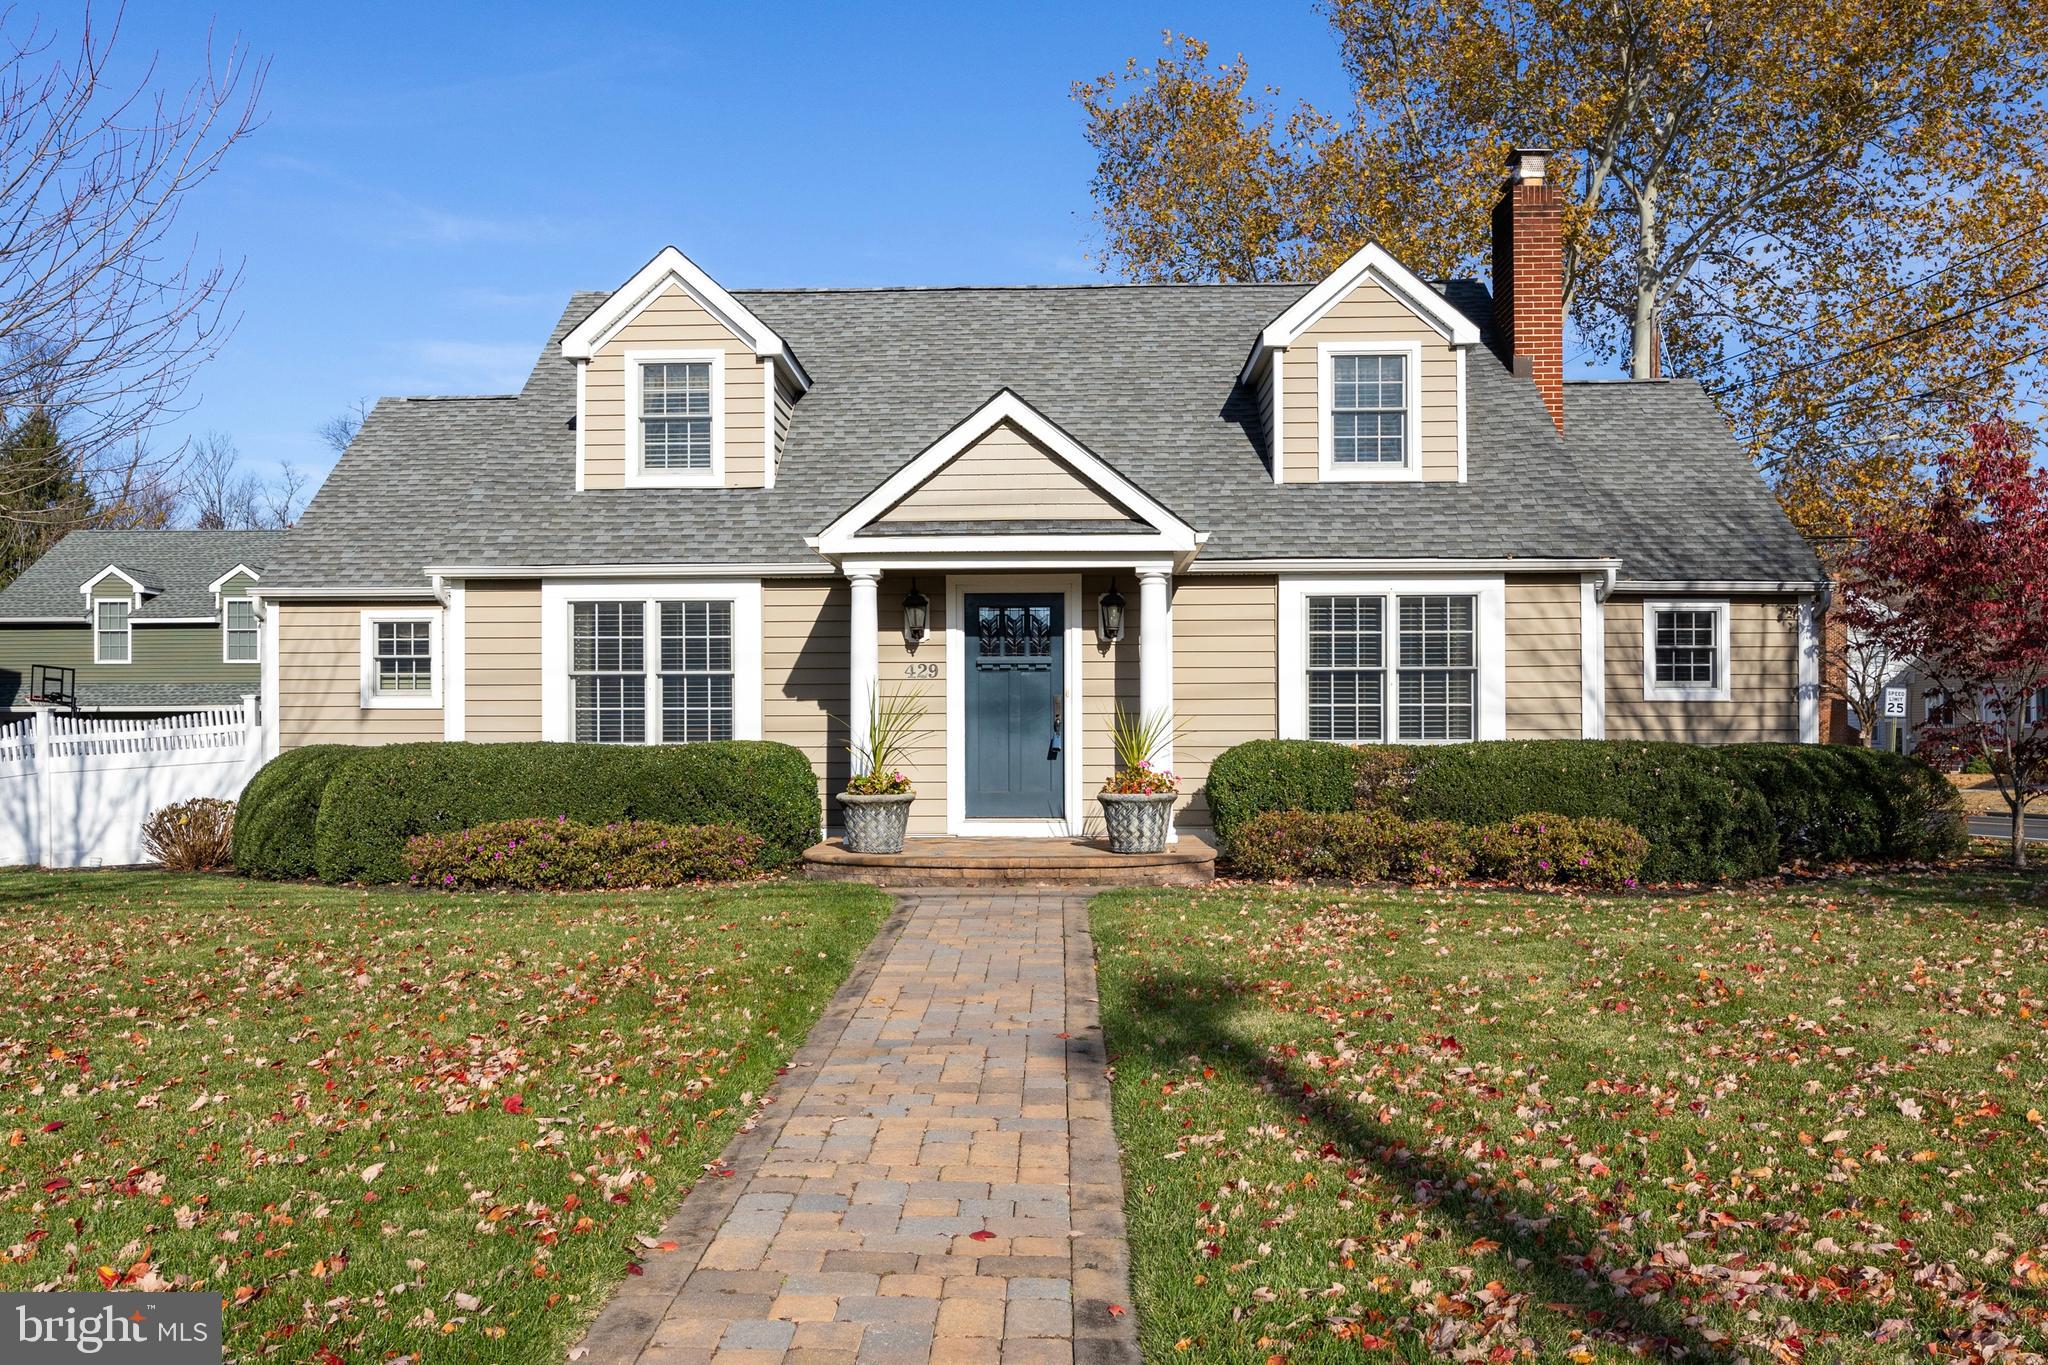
937, 1181
2000, 827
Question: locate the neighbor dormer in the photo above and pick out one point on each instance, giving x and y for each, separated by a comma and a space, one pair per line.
678, 385
1363, 379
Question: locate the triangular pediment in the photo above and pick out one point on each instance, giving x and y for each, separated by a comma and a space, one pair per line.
1006, 475
1003, 467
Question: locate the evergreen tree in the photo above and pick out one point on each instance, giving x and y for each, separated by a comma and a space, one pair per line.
43, 493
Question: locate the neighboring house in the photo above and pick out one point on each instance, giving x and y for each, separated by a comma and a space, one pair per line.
1359, 508
151, 623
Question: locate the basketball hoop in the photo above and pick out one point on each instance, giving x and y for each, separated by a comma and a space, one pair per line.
53, 685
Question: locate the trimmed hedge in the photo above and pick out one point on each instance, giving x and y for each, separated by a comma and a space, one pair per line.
562, 855
1375, 845
275, 815
1835, 804
374, 799
1710, 813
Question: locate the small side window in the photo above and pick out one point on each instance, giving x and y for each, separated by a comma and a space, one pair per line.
112, 641
241, 642
1685, 651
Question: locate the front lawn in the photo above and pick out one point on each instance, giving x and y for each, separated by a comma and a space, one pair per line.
384, 1123
1803, 1123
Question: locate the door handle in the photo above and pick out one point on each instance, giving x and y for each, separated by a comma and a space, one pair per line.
1058, 721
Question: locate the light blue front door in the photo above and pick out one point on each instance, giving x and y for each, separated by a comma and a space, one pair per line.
1016, 679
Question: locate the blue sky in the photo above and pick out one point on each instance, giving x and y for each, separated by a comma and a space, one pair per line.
432, 181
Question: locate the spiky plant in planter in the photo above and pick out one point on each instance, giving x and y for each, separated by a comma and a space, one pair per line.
878, 795
1137, 799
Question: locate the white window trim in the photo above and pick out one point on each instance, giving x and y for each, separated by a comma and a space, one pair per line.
1655, 691
1068, 586
127, 628
373, 700
1490, 711
1328, 469
637, 473
256, 629
558, 698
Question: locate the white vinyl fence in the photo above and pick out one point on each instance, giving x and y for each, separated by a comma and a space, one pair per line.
74, 792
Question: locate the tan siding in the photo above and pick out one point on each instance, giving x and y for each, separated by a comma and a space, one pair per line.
1763, 679
1109, 676
785, 408
1370, 313
804, 674
319, 681
673, 319
1001, 477
1225, 662
927, 765
501, 662
1269, 415
1542, 675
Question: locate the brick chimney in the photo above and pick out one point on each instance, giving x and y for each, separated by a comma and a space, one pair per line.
1528, 275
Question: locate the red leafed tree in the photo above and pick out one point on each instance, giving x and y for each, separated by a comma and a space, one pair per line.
1958, 585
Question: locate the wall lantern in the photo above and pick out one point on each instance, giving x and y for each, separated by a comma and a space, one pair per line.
1109, 624
917, 616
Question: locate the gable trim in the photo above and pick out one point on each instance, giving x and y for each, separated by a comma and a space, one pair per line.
671, 266
1170, 532
240, 569
1370, 262
136, 590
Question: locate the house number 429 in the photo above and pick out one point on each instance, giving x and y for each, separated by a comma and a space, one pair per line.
925, 670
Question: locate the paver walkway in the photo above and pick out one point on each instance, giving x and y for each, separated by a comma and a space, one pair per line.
937, 1181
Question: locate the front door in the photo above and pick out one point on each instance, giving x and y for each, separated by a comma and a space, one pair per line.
1016, 684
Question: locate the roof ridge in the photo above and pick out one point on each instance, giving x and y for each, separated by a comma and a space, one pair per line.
1076, 286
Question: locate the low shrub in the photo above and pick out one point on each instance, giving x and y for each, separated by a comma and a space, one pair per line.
1703, 817
191, 836
1833, 803
275, 819
1352, 846
1556, 850
1279, 774
562, 855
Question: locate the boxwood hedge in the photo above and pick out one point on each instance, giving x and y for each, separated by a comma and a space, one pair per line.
1710, 813
275, 816
376, 798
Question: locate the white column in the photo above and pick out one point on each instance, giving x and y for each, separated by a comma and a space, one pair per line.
1155, 653
864, 653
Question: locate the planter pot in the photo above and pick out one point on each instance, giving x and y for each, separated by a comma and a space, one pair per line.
875, 824
1137, 824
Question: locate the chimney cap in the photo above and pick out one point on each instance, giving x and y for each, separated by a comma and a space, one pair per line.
1528, 165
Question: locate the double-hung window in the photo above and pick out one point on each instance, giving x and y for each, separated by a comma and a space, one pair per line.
241, 642
1369, 409
675, 427
402, 658
1431, 640
112, 637
1685, 654
673, 688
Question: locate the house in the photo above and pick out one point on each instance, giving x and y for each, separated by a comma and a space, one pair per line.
1359, 507
147, 623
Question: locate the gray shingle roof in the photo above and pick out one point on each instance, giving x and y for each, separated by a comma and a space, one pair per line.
1144, 376
177, 565
127, 696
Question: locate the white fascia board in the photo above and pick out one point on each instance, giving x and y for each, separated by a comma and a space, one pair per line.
1386, 566
1006, 406
1374, 262
421, 594
672, 266
1033, 544
807, 568
243, 569
135, 588
1015, 561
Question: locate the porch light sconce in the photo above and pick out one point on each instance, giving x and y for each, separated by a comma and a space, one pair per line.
917, 616
1109, 623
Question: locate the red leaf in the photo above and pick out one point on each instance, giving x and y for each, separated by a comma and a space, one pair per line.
1116, 1310
54, 1184
515, 1104
981, 1235
53, 1125
633, 1268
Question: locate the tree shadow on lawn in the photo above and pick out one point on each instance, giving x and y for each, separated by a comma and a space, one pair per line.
1209, 1026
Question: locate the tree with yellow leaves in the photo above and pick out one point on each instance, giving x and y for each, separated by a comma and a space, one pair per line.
1835, 215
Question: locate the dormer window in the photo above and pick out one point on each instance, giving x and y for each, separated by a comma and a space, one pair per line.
675, 412
677, 402
1369, 424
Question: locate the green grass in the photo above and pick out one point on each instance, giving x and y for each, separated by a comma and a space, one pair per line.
384, 1122
1803, 1123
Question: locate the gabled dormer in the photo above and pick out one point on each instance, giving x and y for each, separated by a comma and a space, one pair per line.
678, 385
1363, 378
